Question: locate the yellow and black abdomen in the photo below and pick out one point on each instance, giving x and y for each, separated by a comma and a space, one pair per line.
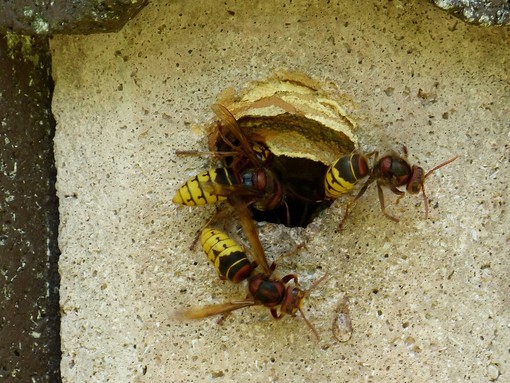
344, 173
229, 259
200, 190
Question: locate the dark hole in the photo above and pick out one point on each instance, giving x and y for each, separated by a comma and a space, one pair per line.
303, 184
302, 181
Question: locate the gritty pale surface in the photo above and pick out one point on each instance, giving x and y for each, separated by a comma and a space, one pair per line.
428, 298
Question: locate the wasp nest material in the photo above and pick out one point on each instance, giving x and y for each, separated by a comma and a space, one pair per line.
295, 117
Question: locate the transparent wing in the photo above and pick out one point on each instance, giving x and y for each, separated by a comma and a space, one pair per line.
229, 122
250, 230
210, 310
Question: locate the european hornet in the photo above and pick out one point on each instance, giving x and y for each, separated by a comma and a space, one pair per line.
391, 171
246, 174
263, 288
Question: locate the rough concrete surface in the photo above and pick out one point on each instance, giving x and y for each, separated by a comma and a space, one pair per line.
428, 298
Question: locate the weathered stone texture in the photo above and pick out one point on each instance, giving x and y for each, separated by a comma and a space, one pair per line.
496, 12
32, 17
29, 320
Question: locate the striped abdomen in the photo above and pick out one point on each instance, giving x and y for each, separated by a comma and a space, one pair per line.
228, 258
344, 173
199, 190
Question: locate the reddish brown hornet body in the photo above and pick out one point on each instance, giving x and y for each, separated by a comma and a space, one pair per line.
393, 171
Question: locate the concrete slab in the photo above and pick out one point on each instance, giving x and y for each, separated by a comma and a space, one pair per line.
428, 298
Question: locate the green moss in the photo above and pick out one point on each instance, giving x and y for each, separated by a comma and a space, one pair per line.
24, 44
